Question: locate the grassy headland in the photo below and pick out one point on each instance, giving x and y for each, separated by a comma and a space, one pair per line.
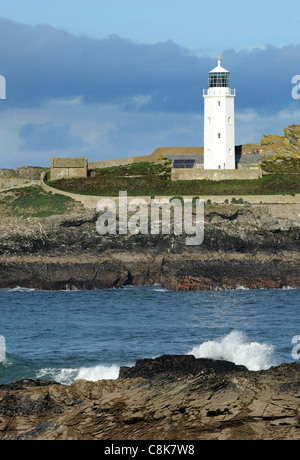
154, 179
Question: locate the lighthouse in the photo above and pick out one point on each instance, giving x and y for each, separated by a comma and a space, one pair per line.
219, 125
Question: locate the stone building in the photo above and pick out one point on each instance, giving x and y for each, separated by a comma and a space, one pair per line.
67, 168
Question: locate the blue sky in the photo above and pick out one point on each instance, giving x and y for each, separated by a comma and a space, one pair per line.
119, 78
209, 27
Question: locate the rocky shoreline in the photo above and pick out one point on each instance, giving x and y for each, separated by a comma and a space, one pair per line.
244, 246
178, 274
167, 398
172, 397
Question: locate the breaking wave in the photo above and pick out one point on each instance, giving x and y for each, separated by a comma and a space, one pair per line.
68, 376
235, 347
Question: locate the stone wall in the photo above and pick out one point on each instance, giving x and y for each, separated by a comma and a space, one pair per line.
15, 183
179, 151
111, 163
217, 175
154, 156
88, 201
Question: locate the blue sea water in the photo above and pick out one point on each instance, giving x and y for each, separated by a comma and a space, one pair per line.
69, 335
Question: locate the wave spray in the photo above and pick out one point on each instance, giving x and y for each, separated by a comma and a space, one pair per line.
236, 348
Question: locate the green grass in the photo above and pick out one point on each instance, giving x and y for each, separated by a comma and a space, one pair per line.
153, 179
34, 202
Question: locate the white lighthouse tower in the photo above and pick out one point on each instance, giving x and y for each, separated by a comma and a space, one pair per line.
219, 126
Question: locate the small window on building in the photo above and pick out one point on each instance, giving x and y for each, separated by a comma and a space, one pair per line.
219, 135
230, 120
219, 103
209, 120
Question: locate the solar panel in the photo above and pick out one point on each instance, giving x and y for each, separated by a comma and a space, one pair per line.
189, 163
183, 164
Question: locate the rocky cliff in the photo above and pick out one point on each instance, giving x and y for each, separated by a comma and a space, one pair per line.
244, 245
288, 145
169, 398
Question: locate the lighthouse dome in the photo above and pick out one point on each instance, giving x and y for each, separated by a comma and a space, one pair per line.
219, 68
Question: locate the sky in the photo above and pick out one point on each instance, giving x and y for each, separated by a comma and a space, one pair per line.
116, 78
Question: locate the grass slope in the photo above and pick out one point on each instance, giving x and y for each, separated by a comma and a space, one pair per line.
154, 179
33, 202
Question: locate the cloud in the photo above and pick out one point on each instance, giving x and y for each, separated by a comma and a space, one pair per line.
110, 131
48, 137
77, 100
42, 63
263, 77
136, 102
112, 97
104, 131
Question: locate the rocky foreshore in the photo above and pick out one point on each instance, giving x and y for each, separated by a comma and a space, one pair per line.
172, 397
167, 398
244, 246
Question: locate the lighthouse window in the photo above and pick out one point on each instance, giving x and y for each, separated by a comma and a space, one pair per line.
230, 120
219, 103
219, 135
219, 80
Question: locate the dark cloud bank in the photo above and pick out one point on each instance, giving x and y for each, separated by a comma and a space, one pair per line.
42, 63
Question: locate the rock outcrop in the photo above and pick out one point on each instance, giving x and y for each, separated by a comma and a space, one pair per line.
170, 398
287, 145
250, 246
23, 172
271, 139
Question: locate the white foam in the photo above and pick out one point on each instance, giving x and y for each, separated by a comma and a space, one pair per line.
98, 373
236, 348
2, 349
69, 376
22, 289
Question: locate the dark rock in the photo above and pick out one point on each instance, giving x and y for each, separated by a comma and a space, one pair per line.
27, 383
177, 366
13, 404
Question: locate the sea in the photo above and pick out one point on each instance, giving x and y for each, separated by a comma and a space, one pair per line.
69, 335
